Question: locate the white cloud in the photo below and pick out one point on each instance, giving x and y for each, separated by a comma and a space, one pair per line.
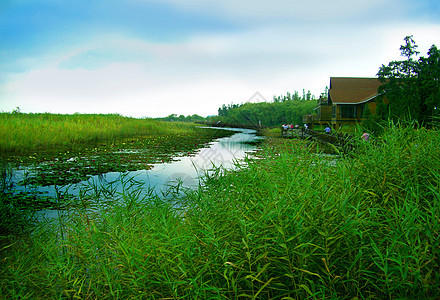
137, 77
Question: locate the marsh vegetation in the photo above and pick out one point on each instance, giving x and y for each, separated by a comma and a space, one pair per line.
60, 150
22, 133
288, 224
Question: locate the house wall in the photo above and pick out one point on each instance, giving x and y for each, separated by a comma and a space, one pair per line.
324, 114
362, 108
344, 120
372, 105
337, 120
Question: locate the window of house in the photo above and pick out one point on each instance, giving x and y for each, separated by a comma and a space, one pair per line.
362, 108
347, 111
333, 111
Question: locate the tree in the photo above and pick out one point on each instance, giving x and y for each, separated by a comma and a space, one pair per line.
296, 95
429, 84
410, 88
309, 96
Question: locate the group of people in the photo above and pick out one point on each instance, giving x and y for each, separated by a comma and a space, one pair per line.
286, 127
289, 126
328, 130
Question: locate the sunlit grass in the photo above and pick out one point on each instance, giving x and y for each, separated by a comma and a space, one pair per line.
293, 225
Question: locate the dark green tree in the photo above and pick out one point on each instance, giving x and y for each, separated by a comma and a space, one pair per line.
429, 85
410, 87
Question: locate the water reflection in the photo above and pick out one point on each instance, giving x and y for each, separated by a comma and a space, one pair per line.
185, 170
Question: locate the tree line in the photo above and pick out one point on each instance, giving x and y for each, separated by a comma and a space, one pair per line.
182, 118
294, 96
287, 109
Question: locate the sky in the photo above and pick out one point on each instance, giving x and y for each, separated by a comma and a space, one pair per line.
153, 58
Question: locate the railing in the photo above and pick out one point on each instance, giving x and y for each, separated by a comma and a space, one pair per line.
343, 142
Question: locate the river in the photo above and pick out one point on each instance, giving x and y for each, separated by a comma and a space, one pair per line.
188, 170
184, 171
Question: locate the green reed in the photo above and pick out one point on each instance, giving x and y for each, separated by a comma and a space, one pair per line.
28, 132
13, 218
293, 225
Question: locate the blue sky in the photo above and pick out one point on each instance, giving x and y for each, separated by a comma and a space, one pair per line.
150, 58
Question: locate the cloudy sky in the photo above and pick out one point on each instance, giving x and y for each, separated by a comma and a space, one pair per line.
152, 58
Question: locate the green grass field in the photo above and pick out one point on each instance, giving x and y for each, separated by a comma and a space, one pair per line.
291, 225
21, 133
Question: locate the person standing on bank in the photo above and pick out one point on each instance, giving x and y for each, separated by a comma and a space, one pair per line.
365, 136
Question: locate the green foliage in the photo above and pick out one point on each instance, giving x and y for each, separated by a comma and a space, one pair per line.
270, 114
294, 97
292, 225
372, 122
411, 88
13, 219
182, 118
23, 132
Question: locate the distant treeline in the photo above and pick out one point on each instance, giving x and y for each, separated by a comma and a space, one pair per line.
288, 108
295, 96
181, 118
283, 110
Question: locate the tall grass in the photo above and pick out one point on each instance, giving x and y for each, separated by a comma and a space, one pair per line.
26, 132
293, 225
13, 218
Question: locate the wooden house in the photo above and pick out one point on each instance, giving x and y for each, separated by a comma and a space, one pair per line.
323, 112
348, 100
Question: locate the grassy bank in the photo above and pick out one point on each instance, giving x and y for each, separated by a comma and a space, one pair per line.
293, 225
32, 132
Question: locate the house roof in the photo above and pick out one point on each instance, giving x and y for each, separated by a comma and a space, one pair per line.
352, 90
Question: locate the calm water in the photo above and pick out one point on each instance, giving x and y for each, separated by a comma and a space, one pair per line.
185, 170
223, 152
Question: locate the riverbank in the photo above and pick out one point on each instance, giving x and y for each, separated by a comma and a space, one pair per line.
26, 133
292, 224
